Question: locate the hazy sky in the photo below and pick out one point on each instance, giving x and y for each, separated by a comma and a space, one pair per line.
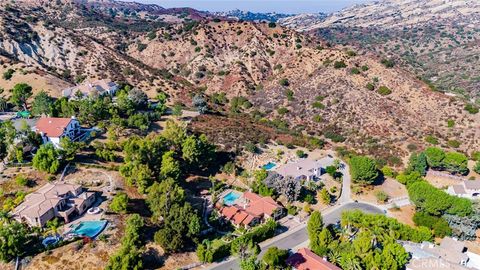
279, 6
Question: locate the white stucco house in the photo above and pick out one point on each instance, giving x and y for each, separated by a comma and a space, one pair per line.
91, 88
466, 189
303, 169
53, 129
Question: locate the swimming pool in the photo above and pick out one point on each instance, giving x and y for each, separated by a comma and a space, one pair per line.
230, 198
269, 166
89, 228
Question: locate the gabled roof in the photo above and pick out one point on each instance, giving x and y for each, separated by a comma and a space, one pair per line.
52, 126
262, 206
472, 184
305, 259
44, 199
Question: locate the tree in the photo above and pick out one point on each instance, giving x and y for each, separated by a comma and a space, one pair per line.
129, 257
136, 174
435, 157
249, 263
53, 225
119, 203
162, 196
314, 225
68, 148
20, 94
456, 162
47, 159
177, 110
13, 239
418, 163
363, 169
275, 258
464, 228
200, 103
42, 104
197, 152
325, 196
181, 224
174, 132
287, 186
476, 168
138, 98
170, 166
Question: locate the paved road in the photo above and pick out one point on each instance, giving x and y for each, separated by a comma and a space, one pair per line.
299, 236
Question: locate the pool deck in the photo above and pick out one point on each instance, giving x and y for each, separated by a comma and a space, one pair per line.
226, 192
86, 217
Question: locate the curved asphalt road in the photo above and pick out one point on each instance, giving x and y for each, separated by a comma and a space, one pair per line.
299, 235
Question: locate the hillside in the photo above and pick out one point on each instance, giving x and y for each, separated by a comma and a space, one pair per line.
251, 60
436, 40
280, 78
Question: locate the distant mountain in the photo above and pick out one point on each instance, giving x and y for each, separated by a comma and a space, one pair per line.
436, 40
303, 22
251, 16
405, 13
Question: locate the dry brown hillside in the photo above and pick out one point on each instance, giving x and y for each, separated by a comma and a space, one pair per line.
292, 81
251, 59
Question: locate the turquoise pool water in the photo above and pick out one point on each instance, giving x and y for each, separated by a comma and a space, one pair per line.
230, 198
269, 166
89, 228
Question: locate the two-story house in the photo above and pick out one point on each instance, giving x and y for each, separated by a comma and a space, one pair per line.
53, 129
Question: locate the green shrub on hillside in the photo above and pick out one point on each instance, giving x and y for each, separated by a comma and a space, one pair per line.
384, 91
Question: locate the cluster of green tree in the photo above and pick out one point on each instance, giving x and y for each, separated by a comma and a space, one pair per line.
130, 254
240, 246
436, 202
452, 162
14, 238
49, 159
119, 203
127, 111
364, 241
158, 157
438, 225
363, 169
273, 259
432, 204
178, 220
258, 186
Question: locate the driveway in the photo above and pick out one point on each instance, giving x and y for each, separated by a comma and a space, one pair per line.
346, 195
299, 235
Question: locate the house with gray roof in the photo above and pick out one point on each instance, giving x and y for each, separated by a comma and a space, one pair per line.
466, 189
303, 169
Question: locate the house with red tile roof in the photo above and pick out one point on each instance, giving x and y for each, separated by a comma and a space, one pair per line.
305, 259
53, 129
250, 209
